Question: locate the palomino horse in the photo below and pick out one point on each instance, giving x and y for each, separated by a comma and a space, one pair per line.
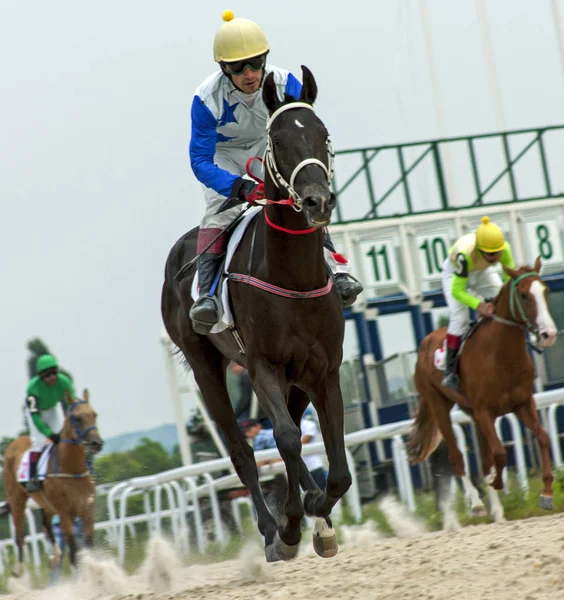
289, 319
69, 489
497, 375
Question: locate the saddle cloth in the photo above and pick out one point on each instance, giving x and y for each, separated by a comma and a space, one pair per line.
23, 469
232, 245
440, 353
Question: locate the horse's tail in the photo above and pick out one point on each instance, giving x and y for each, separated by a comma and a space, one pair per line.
424, 435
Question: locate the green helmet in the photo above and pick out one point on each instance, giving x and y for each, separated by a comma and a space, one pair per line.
46, 361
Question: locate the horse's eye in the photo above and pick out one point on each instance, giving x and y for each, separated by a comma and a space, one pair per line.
524, 296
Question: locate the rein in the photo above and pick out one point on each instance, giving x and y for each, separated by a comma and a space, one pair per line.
515, 305
81, 433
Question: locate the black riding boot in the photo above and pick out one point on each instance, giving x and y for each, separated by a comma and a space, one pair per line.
348, 286
450, 380
33, 484
205, 311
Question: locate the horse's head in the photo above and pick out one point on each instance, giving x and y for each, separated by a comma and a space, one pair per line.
82, 420
528, 302
299, 156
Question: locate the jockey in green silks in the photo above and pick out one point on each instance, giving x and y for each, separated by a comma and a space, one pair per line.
467, 274
45, 409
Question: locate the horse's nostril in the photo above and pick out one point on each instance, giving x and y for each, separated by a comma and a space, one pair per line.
310, 201
544, 335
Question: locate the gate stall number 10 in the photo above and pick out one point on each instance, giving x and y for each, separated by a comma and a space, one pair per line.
380, 259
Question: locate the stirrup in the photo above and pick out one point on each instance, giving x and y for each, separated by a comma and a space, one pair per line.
450, 381
33, 485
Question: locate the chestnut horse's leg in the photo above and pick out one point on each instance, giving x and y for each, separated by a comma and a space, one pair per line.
269, 382
440, 407
485, 423
529, 416
488, 471
17, 509
66, 528
87, 518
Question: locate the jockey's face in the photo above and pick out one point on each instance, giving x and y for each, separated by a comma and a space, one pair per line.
491, 257
50, 376
248, 81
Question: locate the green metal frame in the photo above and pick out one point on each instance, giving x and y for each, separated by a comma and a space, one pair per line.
433, 148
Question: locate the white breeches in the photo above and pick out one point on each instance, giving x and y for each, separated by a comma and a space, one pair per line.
52, 417
485, 284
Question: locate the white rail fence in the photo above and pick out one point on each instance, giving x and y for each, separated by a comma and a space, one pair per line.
185, 491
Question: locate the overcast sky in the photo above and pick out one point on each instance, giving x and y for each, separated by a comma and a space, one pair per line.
95, 181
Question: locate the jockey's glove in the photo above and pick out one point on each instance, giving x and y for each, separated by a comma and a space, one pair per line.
247, 191
55, 438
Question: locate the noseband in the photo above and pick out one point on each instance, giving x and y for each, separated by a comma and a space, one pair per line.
273, 170
516, 308
81, 433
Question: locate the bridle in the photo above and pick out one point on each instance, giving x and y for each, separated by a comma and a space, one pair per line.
516, 309
270, 160
81, 433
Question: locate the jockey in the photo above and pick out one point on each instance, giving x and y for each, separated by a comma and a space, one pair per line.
468, 267
45, 392
229, 127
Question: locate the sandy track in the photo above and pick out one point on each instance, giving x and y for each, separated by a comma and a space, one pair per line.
510, 561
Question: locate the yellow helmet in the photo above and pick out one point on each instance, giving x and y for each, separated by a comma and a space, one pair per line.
489, 237
238, 39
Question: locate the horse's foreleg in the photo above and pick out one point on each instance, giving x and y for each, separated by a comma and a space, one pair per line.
87, 519
55, 556
209, 372
329, 406
494, 476
66, 528
269, 383
529, 416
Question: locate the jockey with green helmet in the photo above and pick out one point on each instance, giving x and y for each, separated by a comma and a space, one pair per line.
229, 127
467, 274
45, 407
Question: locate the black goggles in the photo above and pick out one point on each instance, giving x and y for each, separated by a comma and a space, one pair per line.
255, 63
48, 373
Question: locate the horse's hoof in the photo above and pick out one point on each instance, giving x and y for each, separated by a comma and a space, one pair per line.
18, 570
55, 558
279, 550
478, 511
546, 502
324, 539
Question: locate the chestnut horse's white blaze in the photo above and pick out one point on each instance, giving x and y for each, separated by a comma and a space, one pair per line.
547, 328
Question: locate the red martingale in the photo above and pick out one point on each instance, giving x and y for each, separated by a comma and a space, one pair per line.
285, 202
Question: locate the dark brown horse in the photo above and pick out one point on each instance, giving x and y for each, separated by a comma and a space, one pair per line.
292, 345
69, 489
497, 377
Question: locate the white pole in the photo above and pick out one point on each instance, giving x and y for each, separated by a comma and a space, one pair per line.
183, 442
557, 18
441, 124
490, 64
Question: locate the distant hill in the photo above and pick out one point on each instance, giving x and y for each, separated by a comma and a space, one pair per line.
165, 435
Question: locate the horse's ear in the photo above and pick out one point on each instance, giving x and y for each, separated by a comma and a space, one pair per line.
538, 265
270, 94
309, 87
511, 272
86, 395
69, 400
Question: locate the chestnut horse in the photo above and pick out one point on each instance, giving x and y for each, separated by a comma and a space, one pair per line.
69, 489
497, 375
289, 323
